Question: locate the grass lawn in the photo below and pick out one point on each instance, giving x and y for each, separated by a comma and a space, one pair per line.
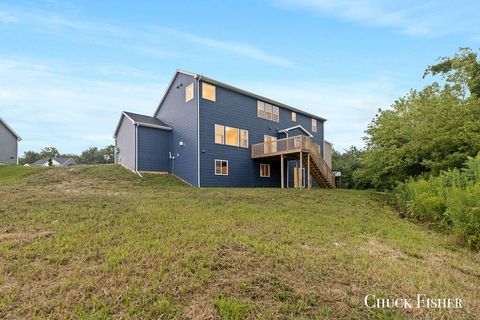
97, 242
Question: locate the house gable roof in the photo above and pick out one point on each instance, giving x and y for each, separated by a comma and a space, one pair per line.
296, 127
60, 160
142, 120
10, 129
235, 89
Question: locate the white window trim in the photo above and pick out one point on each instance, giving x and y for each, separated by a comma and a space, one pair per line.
193, 92
240, 138
215, 168
214, 91
238, 135
215, 133
264, 164
264, 111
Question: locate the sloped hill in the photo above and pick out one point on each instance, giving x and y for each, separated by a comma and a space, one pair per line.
98, 242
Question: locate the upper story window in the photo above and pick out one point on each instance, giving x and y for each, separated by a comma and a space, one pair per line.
189, 92
294, 116
267, 111
208, 91
231, 136
219, 134
314, 125
243, 138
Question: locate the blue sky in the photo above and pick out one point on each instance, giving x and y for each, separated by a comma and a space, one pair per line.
67, 69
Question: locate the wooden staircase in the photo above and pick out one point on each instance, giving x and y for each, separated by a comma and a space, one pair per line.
303, 146
319, 169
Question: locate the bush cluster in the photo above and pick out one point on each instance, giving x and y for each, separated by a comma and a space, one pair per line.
450, 201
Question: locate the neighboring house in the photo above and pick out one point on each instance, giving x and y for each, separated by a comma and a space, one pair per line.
210, 133
56, 162
8, 144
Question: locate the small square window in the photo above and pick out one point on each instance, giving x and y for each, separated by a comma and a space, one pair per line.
208, 91
221, 167
189, 92
294, 116
264, 170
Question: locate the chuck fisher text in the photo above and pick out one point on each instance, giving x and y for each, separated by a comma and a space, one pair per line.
420, 301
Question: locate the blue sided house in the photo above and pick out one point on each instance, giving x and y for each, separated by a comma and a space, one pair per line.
211, 134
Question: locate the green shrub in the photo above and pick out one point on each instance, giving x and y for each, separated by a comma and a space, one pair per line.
450, 200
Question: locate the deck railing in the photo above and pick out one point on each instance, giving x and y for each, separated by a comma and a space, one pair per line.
292, 145
275, 147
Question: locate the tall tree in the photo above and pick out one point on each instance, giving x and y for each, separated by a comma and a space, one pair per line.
346, 163
462, 71
426, 131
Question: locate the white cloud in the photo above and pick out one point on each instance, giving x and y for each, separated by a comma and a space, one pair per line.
50, 106
239, 48
348, 107
149, 36
419, 18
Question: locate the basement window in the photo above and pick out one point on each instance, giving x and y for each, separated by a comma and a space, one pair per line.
221, 167
208, 91
264, 170
189, 92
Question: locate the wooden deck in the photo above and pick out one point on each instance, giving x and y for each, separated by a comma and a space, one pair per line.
303, 149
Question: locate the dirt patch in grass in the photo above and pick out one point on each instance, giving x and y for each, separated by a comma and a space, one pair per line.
25, 237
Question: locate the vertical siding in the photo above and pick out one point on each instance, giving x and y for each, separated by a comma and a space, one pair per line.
182, 116
240, 111
8, 146
125, 142
153, 147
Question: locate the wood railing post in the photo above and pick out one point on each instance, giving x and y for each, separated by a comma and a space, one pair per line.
301, 171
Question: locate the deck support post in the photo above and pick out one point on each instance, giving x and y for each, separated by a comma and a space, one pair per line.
282, 168
295, 174
301, 171
309, 176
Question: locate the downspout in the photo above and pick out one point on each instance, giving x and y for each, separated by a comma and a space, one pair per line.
198, 130
17, 152
136, 150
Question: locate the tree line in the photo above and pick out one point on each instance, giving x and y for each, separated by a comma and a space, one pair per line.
424, 133
92, 155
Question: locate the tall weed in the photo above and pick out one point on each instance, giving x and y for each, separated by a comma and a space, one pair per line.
450, 201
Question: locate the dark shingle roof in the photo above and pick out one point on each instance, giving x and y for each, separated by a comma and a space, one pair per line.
143, 119
235, 89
